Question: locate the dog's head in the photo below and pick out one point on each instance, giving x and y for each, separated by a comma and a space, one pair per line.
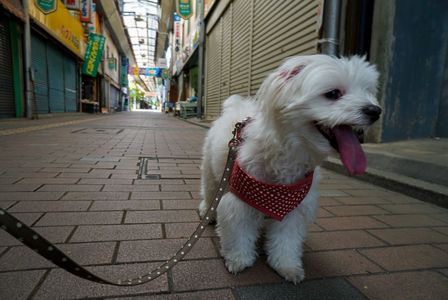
323, 99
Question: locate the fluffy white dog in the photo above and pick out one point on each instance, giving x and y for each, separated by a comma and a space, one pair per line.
302, 112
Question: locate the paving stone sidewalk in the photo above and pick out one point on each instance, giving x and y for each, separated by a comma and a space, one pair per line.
77, 184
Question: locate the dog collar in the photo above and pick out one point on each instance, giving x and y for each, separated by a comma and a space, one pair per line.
274, 200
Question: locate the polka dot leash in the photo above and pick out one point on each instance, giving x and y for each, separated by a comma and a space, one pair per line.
40, 245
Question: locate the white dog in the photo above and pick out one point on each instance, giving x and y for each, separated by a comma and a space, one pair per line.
301, 113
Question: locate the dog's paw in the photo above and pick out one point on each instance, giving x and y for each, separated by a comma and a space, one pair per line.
203, 208
295, 275
238, 264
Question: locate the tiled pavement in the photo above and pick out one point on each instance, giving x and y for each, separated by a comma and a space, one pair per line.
76, 183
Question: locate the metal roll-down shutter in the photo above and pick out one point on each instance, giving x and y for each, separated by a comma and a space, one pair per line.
7, 104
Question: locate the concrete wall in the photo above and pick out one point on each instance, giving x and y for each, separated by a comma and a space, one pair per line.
409, 44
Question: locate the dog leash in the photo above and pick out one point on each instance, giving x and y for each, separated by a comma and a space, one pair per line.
42, 246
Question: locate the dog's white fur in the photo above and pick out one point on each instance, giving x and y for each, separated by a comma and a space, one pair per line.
281, 145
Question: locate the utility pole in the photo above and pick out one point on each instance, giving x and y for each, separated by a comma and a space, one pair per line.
201, 59
29, 76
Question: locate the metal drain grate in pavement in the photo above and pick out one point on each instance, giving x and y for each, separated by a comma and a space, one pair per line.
99, 131
143, 166
143, 169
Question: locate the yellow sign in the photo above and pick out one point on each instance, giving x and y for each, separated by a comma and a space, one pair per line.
61, 25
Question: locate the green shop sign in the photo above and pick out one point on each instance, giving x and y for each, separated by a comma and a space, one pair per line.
166, 74
46, 6
94, 52
184, 8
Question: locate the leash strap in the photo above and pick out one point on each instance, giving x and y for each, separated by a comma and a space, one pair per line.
43, 247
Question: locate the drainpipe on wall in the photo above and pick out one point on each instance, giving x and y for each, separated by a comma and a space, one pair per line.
330, 31
201, 59
28, 68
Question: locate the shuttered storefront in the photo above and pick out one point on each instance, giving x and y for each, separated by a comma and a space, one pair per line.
213, 73
250, 39
56, 79
55, 75
7, 102
70, 84
114, 97
39, 64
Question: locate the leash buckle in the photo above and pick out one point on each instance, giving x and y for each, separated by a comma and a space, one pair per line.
237, 139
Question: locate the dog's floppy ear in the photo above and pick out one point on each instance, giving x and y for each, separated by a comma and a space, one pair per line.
290, 74
271, 89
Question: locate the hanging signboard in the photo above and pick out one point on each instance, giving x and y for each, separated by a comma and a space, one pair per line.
166, 74
46, 6
151, 72
92, 25
177, 31
86, 10
134, 71
124, 71
184, 8
94, 52
72, 4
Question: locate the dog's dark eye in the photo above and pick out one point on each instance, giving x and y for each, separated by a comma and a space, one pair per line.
333, 94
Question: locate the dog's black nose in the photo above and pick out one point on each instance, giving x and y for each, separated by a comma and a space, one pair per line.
372, 111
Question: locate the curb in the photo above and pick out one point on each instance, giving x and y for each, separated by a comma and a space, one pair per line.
194, 123
422, 190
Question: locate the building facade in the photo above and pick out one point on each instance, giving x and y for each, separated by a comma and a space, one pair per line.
57, 50
11, 84
59, 36
406, 40
185, 52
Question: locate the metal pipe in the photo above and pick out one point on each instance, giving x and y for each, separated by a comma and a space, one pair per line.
330, 31
201, 59
28, 67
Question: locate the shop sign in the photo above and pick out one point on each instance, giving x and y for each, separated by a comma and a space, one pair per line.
72, 4
151, 72
94, 52
134, 71
124, 71
86, 10
92, 25
112, 62
177, 30
47, 6
184, 8
61, 25
166, 74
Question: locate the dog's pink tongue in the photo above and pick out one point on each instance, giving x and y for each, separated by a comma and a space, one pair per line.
352, 155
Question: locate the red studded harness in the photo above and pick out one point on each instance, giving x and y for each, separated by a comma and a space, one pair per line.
274, 200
